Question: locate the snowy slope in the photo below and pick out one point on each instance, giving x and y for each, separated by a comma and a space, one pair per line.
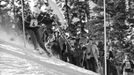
14, 61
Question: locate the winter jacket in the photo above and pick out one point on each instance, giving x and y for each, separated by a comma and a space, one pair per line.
127, 69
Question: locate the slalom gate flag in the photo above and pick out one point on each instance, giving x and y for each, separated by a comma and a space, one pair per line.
56, 10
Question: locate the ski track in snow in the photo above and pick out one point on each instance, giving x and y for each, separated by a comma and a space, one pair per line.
12, 65
44, 59
8, 47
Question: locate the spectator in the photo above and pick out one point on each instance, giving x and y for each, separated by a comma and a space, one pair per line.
33, 29
92, 56
127, 66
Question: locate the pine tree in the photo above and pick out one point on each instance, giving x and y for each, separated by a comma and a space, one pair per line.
119, 27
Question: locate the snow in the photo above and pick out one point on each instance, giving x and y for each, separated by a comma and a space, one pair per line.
8, 47
19, 66
16, 63
58, 12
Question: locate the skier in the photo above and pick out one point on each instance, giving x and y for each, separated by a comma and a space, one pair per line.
33, 27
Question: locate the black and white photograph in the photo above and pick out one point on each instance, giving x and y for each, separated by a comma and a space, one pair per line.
119, 37
66, 37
